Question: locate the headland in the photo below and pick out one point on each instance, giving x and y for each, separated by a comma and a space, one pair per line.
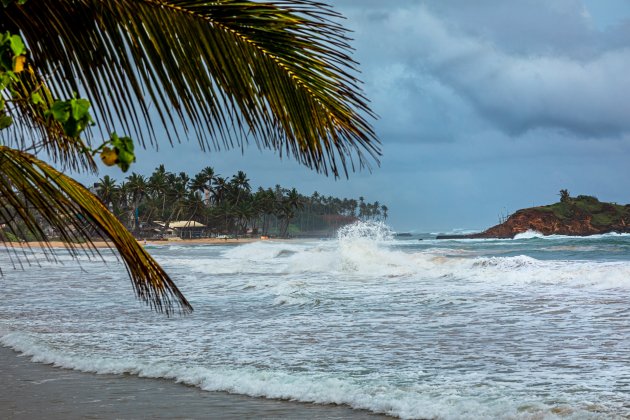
573, 216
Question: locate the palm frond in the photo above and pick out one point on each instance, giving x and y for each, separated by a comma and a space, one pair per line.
32, 191
279, 73
30, 120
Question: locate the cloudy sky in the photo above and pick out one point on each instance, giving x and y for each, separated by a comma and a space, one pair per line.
484, 107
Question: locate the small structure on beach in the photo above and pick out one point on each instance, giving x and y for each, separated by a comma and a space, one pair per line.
185, 229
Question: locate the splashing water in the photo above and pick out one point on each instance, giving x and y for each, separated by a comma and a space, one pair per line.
360, 245
374, 231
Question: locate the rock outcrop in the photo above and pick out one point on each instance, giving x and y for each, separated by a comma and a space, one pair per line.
581, 216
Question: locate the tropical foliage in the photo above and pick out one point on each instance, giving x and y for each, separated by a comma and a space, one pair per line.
583, 208
76, 73
226, 205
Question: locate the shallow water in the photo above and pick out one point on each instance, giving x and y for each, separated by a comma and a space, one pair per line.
526, 328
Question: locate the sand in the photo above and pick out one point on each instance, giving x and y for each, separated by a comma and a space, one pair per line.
36, 391
102, 244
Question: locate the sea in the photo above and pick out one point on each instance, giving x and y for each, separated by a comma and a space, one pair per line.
527, 328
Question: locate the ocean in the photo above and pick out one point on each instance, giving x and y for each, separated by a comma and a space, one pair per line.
527, 328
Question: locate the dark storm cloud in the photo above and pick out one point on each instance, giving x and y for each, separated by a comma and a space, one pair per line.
518, 65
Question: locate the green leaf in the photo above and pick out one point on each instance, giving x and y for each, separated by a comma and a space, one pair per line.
125, 150
17, 46
71, 127
36, 98
73, 114
12, 50
59, 111
80, 109
5, 121
5, 79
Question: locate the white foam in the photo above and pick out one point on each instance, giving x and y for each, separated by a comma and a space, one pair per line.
530, 234
261, 251
368, 251
417, 401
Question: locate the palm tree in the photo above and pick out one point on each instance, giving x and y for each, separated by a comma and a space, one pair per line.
106, 190
208, 174
137, 188
220, 187
286, 211
278, 73
177, 193
241, 186
202, 182
157, 186
267, 202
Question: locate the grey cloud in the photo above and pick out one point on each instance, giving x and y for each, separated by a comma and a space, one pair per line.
524, 26
515, 92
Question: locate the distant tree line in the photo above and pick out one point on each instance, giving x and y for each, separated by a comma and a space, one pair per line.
227, 205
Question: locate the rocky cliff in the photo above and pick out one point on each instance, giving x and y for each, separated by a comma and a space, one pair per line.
580, 216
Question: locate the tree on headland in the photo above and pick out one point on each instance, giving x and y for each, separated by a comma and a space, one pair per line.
564, 196
226, 72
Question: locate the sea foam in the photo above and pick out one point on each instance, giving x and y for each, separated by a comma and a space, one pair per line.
418, 401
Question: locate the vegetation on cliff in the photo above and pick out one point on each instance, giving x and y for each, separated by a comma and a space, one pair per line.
601, 215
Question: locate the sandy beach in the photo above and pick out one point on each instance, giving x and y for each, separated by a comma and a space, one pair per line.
36, 391
103, 244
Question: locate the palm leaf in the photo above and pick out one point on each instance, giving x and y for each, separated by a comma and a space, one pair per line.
32, 191
278, 73
30, 120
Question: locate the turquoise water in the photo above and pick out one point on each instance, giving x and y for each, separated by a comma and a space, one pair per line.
526, 328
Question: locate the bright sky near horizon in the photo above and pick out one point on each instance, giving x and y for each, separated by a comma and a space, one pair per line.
484, 107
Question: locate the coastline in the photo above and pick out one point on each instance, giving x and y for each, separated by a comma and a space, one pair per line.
35, 390
105, 245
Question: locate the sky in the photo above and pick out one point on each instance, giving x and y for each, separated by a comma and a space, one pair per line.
483, 108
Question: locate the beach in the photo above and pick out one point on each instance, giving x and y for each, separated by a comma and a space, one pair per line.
178, 241
35, 391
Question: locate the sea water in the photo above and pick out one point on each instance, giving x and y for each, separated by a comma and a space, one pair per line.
531, 327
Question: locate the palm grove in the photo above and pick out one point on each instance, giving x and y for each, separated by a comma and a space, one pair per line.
226, 205
87, 80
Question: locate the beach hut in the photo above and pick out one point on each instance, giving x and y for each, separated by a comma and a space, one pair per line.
188, 229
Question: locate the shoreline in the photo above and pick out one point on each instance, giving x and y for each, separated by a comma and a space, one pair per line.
105, 245
37, 390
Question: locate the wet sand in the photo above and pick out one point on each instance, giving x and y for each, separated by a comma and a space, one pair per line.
36, 391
